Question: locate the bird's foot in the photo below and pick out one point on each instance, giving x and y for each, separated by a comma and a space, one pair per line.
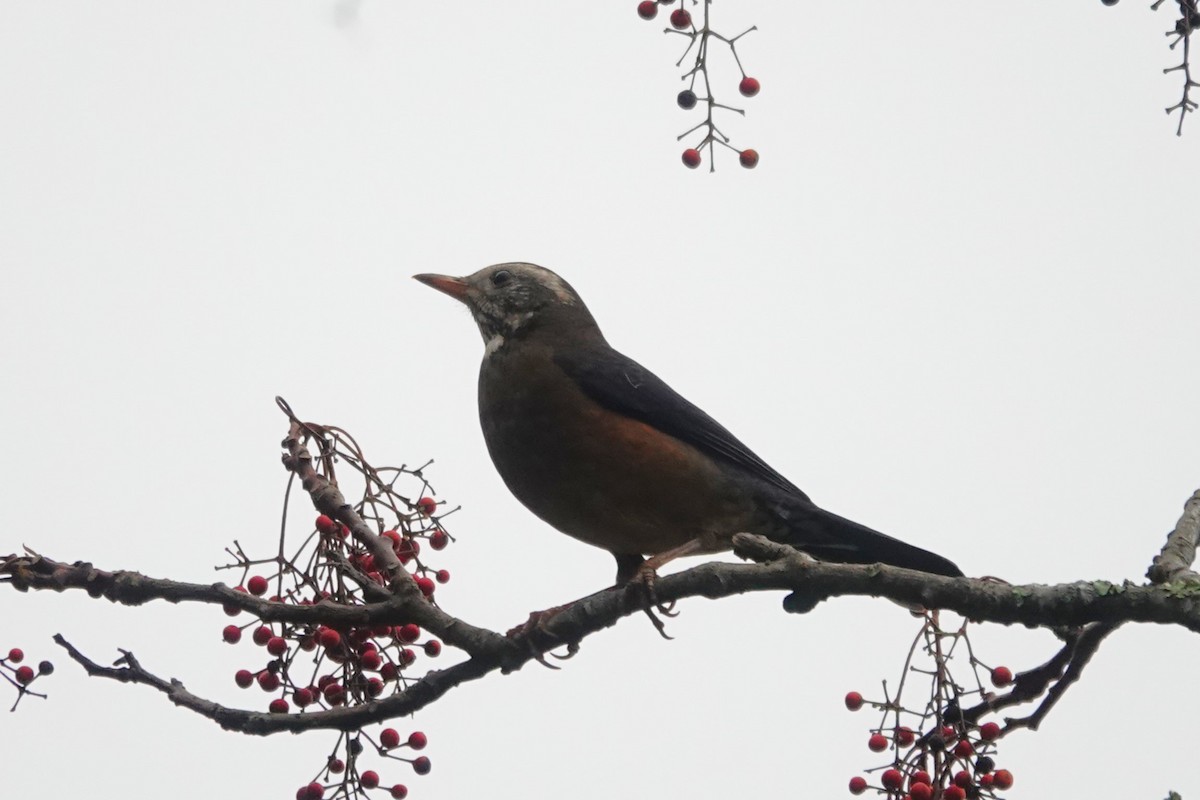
539, 639
642, 582
659, 625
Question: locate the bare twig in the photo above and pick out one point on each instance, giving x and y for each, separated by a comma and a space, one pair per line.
417, 695
1174, 563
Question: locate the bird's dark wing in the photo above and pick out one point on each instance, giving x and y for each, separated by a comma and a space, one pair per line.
619, 383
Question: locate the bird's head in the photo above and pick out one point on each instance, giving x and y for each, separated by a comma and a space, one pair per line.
509, 300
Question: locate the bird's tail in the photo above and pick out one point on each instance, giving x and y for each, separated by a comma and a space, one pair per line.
832, 538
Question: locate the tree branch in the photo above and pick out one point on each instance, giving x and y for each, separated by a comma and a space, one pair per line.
1174, 563
417, 695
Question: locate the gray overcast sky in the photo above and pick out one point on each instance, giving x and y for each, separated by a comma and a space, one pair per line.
956, 301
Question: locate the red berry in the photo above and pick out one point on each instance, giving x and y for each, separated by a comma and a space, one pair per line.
647, 9
399, 791
417, 740
1002, 779
407, 549
962, 778
257, 585
877, 743
920, 791
680, 19
989, 731
279, 706
231, 611
389, 738
963, 749
314, 791
748, 158
443, 576
954, 793
371, 660
948, 734
268, 681
16, 655
691, 158
892, 779
369, 779
438, 541
389, 672
329, 638
324, 681
394, 536
433, 648
854, 701
331, 690
407, 656
262, 635
232, 634
326, 524
427, 505
426, 585
421, 765
374, 687
243, 678
858, 785
277, 645
336, 766
985, 781
905, 736
920, 776
304, 697
408, 633
25, 675
1002, 676
749, 86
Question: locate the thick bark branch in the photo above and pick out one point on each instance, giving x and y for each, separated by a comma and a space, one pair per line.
780, 568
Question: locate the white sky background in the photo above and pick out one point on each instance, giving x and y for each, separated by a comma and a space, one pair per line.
956, 301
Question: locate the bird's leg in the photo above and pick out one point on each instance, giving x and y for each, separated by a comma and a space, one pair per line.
628, 565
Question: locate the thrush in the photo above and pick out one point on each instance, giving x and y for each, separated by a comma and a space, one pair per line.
602, 449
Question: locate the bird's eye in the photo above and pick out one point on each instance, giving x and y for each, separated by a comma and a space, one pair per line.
501, 277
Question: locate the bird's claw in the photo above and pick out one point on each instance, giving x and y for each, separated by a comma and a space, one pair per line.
659, 625
643, 582
540, 641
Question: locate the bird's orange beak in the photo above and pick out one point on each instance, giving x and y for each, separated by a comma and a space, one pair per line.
455, 287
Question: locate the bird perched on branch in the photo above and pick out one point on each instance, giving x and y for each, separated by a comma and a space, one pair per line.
603, 450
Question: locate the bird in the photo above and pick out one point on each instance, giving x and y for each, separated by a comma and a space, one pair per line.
603, 450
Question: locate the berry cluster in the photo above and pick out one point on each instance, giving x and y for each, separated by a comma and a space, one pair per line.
939, 751
342, 776
20, 675
314, 667
699, 39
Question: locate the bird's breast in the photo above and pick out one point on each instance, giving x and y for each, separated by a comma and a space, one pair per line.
593, 473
